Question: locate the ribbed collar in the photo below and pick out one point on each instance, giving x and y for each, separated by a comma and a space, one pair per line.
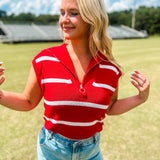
62, 54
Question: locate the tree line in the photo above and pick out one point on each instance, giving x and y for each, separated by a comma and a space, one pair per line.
146, 18
29, 18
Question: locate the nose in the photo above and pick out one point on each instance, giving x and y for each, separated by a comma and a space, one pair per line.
65, 18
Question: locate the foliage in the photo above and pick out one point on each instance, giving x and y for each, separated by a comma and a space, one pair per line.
2, 14
28, 18
147, 18
118, 18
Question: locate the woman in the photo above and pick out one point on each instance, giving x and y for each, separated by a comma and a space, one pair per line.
79, 83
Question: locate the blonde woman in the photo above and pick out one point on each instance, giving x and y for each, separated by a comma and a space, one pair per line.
79, 83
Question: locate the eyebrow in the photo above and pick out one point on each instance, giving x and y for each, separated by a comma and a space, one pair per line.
71, 9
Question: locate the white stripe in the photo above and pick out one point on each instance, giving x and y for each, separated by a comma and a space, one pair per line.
46, 58
75, 103
56, 80
103, 86
109, 67
72, 123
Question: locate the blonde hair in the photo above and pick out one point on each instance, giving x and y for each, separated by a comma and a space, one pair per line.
94, 13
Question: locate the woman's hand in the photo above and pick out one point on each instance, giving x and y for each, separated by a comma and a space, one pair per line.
25, 101
141, 82
2, 79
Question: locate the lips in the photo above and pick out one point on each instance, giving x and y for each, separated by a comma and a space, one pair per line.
66, 28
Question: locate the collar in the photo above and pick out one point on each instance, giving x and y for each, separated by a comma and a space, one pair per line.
62, 54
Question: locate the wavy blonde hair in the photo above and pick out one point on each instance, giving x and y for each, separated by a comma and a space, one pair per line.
94, 13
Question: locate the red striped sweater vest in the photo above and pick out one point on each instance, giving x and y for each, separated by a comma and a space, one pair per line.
73, 109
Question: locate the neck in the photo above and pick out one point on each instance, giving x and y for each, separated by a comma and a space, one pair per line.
79, 48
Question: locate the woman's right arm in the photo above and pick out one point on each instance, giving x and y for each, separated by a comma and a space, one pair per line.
25, 101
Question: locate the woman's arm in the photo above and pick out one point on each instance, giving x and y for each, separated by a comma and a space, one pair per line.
120, 106
25, 101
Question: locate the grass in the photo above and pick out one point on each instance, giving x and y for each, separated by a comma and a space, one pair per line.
134, 135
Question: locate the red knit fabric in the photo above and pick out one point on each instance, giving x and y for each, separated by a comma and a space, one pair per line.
72, 109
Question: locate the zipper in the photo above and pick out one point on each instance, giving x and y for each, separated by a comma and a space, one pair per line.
81, 88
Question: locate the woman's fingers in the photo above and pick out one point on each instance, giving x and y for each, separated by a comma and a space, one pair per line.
142, 83
139, 78
1, 73
2, 80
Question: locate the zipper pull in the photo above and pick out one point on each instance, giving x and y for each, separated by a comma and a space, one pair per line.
82, 90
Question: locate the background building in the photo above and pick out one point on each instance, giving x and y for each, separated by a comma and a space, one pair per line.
16, 33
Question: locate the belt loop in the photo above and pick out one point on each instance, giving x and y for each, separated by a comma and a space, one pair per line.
49, 134
95, 138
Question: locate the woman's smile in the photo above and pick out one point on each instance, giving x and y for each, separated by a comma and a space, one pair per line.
67, 28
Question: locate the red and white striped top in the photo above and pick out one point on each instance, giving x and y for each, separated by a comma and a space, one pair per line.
73, 109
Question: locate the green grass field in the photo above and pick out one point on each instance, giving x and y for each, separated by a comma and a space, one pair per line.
132, 136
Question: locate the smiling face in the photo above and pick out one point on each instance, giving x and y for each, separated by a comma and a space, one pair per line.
71, 22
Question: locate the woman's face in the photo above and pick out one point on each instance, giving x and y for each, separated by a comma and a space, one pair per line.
71, 22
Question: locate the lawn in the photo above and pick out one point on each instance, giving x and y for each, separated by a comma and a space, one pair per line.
132, 136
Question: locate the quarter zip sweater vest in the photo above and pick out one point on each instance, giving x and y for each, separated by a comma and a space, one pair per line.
73, 109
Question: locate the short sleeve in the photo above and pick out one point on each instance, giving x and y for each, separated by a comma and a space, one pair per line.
38, 66
116, 78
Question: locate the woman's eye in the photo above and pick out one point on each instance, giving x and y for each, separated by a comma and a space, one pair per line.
62, 13
74, 13
70, 13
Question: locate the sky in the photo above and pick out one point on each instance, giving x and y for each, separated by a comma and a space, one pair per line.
38, 7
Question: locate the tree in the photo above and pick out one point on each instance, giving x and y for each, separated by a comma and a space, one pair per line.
3, 14
47, 19
147, 18
118, 18
25, 17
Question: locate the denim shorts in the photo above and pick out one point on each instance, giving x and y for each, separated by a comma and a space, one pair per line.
53, 146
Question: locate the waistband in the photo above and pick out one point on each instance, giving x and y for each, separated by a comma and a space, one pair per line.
60, 138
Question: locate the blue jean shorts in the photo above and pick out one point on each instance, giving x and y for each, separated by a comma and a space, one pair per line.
53, 146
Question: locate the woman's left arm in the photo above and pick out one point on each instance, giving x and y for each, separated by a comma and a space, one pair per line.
119, 106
